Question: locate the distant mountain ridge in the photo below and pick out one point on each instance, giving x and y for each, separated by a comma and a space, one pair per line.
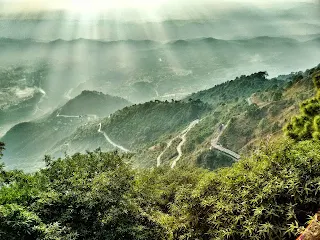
152, 42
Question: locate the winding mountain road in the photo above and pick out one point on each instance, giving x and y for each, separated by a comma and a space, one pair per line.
110, 141
161, 154
67, 94
44, 94
78, 116
215, 145
183, 137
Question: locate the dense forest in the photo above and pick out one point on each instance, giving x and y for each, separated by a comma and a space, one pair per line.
268, 194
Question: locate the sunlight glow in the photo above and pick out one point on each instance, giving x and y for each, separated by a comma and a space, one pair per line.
141, 5
100, 5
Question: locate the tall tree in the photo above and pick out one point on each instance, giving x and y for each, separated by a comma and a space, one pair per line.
2, 148
307, 124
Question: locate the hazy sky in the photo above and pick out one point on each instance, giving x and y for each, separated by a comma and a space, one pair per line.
140, 10
99, 5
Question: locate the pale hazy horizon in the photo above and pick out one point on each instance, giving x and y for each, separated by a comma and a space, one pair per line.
143, 6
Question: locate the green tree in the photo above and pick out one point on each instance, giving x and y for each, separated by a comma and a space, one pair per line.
91, 195
307, 124
2, 148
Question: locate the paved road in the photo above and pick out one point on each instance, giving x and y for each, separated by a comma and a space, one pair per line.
67, 95
227, 151
110, 141
182, 136
44, 94
77, 116
215, 145
161, 154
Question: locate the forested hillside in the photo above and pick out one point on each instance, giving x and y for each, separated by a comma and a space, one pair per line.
268, 194
240, 87
28, 142
250, 116
138, 126
250, 107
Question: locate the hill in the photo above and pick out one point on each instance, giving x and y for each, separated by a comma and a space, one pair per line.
93, 103
28, 142
235, 115
268, 194
135, 127
240, 88
251, 108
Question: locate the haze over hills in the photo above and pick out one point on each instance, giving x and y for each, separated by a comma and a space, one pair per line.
159, 120
31, 140
83, 123
172, 21
163, 54
45, 73
141, 56
143, 70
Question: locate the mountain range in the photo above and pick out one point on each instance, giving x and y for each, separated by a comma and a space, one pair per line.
249, 107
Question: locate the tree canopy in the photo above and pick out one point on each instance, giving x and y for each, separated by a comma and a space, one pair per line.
307, 124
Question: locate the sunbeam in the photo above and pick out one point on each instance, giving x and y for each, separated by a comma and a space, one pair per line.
159, 119
143, 50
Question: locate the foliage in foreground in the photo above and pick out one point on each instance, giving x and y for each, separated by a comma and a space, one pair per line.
307, 124
268, 195
93, 196
80, 197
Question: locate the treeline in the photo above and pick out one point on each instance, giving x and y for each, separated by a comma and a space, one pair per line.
240, 88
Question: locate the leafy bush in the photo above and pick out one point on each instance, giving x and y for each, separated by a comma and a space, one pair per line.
88, 195
267, 195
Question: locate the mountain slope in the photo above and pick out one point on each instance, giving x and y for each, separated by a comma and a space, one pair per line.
252, 113
250, 107
237, 89
28, 142
137, 126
